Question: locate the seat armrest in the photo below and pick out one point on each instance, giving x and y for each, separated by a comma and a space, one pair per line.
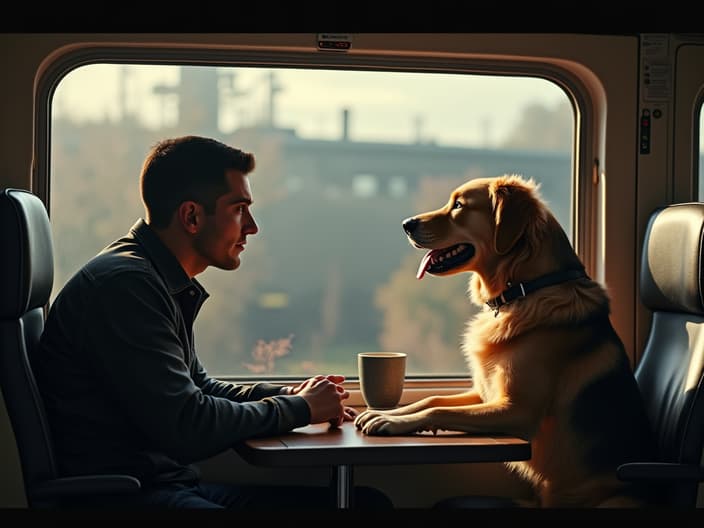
85, 485
662, 471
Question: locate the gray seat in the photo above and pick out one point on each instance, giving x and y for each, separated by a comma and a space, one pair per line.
670, 371
26, 279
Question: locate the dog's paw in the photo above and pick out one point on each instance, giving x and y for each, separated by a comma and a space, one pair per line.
374, 425
364, 417
385, 424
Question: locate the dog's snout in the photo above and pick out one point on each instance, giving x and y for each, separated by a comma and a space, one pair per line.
409, 225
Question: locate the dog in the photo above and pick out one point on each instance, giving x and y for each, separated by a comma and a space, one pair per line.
546, 363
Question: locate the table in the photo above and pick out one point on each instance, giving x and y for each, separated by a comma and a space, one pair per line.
344, 447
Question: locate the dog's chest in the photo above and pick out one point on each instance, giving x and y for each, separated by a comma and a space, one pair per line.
487, 360
488, 377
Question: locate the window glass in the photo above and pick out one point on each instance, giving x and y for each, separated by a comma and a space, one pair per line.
342, 158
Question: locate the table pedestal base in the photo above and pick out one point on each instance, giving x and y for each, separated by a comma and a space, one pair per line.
342, 483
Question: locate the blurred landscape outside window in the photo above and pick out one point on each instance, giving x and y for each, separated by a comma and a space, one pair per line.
342, 158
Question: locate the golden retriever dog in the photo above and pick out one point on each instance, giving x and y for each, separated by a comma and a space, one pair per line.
546, 363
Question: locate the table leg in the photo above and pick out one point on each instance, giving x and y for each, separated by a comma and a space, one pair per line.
342, 482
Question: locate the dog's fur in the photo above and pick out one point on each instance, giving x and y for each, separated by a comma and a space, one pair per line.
548, 366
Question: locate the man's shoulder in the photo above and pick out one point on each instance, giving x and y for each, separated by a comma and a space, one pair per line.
111, 277
119, 266
118, 259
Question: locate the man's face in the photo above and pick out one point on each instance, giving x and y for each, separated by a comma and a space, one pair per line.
223, 236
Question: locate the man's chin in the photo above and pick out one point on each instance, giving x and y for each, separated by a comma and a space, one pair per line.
229, 265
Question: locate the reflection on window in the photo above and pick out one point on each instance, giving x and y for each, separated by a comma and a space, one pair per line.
342, 158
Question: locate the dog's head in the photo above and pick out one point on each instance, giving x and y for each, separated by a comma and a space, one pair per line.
489, 226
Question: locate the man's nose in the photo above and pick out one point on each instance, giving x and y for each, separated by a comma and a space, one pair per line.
252, 227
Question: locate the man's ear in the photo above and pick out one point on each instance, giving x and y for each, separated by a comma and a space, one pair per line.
188, 214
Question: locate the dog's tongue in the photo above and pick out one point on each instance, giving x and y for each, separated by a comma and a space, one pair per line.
424, 265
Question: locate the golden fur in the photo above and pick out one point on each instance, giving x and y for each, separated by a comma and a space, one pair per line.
547, 366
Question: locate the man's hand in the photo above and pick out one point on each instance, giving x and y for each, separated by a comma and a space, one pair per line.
324, 396
350, 414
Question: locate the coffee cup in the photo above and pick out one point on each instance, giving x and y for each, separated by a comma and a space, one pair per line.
381, 378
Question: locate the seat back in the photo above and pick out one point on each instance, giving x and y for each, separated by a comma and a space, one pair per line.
670, 371
26, 279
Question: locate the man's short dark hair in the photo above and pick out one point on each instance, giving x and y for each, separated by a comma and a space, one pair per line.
187, 168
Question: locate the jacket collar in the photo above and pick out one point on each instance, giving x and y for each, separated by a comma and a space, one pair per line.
163, 259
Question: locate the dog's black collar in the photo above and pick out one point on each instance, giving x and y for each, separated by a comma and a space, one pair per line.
524, 288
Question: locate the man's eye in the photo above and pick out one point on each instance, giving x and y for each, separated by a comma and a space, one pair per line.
457, 205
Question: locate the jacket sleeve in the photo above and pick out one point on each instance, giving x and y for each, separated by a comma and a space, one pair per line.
231, 391
136, 352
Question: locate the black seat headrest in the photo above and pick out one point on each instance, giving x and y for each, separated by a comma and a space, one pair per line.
671, 263
27, 264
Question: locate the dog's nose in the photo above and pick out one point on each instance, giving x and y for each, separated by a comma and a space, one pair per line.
409, 225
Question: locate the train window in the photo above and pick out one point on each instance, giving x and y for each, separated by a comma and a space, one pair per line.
343, 156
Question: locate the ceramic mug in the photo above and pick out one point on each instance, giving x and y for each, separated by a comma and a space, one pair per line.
381, 378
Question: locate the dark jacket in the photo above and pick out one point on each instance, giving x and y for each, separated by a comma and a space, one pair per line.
123, 387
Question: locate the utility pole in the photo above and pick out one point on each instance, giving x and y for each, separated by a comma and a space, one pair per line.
274, 87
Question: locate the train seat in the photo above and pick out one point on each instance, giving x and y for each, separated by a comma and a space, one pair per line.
26, 280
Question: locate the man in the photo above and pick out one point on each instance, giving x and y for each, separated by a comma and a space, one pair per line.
123, 386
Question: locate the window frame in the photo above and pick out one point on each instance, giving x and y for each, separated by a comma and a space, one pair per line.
584, 208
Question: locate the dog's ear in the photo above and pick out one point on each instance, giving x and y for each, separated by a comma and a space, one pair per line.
514, 208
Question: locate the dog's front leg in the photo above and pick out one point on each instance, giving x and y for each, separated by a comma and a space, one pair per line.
471, 397
493, 417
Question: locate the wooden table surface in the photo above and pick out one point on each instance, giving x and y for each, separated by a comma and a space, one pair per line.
319, 444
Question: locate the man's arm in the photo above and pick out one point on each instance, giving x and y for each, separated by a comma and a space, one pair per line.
135, 350
233, 391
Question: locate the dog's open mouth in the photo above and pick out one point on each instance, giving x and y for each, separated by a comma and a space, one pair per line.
438, 261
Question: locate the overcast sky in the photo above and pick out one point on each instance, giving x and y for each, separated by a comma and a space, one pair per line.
449, 109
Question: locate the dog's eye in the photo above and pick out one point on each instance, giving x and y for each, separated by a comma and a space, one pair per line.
457, 205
